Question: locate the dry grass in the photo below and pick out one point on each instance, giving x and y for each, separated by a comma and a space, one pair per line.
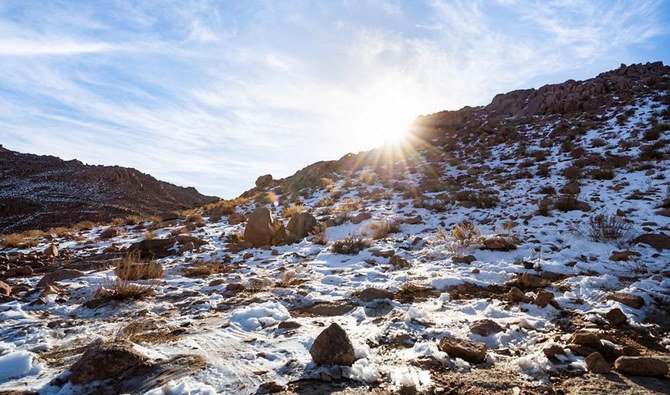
318, 234
463, 235
13, 240
288, 212
84, 225
179, 231
350, 205
60, 231
289, 278
350, 245
132, 268
381, 229
121, 290
133, 220
325, 201
606, 228
150, 235
196, 219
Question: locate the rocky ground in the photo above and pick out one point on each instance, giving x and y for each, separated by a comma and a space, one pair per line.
511, 249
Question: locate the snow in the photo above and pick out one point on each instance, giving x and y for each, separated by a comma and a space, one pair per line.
259, 315
17, 364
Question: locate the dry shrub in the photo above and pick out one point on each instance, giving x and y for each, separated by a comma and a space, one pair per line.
179, 231
544, 207
150, 235
325, 201
201, 270
288, 212
606, 228
380, 229
131, 268
222, 207
572, 173
196, 219
367, 177
289, 278
602, 174
121, 289
350, 245
350, 205
598, 142
464, 235
318, 234
133, 220
13, 240
568, 202
666, 201
34, 233
60, 231
118, 221
326, 182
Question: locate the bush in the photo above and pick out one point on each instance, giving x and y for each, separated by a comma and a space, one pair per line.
84, 225
604, 227
381, 229
13, 240
132, 268
544, 207
350, 245
547, 190
289, 212
464, 235
196, 219
598, 142
572, 173
568, 202
318, 234
602, 174
201, 270
121, 289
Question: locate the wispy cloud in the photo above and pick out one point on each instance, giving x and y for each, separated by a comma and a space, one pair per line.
213, 94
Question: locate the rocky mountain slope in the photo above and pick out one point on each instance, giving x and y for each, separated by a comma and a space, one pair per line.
517, 248
39, 192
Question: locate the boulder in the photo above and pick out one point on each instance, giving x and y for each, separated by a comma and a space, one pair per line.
399, 262
543, 298
58, 275
616, 317
596, 363
515, 295
154, 248
463, 259
51, 251
372, 294
498, 244
109, 361
659, 241
360, 217
263, 181
109, 233
485, 327
623, 256
629, 300
530, 281
5, 289
333, 347
473, 352
263, 230
301, 224
641, 366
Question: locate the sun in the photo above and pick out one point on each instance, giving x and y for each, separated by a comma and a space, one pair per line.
385, 120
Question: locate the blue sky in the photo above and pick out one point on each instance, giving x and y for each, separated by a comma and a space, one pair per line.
213, 94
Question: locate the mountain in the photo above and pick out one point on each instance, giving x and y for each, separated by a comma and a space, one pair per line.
517, 247
38, 192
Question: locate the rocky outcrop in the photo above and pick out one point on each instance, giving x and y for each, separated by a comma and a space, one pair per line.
40, 192
108, 361
263, 181
154, 248
301, 224
263, 229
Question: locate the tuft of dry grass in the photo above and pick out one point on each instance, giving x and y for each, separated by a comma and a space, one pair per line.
201, 270
290, 211
289, 278
84, 225
318, 234
464, 235
60, 231
150, 235
132, 268
606, 228
14, 240
350, 245
179, 231
381, 229
196, 219
121, 290
350, 205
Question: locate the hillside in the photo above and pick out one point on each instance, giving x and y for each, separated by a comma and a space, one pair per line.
40, 192
521, 247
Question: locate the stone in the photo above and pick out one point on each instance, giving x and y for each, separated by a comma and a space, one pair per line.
287, 325
485, 327
399, 262
468, 259
5, 289
498, 244
530, 281
383, 253
641, 366
659, 241
623, 256
263, 230
360, 217
333, 347
473, 352
109, 233
236, 218
154, 248
109, 361
515, 295
216, 282
413, 220
58, 275
553, 350
629, 300
301, 224
235, 287
270, 388
571, 188
372, 294
263, 181
596, 363
185, 239
24, 271
543, 298
616, 317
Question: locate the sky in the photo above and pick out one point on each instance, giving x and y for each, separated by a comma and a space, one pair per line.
213, 94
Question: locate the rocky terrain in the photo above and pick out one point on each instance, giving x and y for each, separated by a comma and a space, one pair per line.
518, 248
40, 192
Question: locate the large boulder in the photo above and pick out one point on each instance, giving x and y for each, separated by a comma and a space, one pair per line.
301, 224
263, 181
58, 275
659, 241
641, 366
264, 230
333, 347
109, 361
154, 248
473, 352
